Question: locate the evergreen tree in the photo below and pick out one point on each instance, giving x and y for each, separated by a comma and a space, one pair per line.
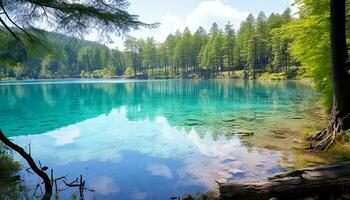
228, 46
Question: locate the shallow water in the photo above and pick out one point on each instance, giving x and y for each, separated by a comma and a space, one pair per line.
154, 139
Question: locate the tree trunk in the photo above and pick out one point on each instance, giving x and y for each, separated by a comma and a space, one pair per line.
339, 56
339, 118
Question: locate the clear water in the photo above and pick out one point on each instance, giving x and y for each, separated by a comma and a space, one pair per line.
151, 139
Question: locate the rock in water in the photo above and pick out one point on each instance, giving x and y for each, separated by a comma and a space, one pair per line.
187, 197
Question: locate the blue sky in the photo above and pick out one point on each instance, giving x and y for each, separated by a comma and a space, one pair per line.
177, 14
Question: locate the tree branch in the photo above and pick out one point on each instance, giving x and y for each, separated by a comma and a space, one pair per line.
11, 32
32, 164
14, 35
9, 18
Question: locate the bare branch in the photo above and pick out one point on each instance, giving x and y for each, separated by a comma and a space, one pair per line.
11, 32
9, 18
32, 164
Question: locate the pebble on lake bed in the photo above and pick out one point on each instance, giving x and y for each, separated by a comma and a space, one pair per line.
241, 133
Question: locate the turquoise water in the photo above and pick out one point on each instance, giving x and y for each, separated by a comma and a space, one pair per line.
151, 139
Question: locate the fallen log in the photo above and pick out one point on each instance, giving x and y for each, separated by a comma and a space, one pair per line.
324, 182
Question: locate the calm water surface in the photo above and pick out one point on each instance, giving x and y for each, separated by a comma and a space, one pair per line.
151, 139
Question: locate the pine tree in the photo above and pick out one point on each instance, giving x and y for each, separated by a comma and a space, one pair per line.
228, 46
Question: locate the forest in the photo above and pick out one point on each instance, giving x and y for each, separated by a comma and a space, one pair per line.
255, 48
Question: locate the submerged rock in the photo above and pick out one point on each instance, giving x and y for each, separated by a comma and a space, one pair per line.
271, 147
211, 195
280, 136
241, 133
229, 160
297, 141
222, 180
246, 118
295, 117
229, 120
187, 197
235, 172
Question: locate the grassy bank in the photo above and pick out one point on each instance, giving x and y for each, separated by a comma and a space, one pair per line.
10, 186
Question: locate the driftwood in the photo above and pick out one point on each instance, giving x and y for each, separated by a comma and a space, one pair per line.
40, 171
32, 164
323, 182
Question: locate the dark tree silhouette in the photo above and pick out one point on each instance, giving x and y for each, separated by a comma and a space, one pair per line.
340, 116
71, 17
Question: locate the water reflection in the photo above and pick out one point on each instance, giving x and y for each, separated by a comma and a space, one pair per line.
152, 152
159, 170
105, 186
44, 107
153, 139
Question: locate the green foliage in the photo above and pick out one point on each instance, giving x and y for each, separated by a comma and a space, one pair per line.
273, 76
150, 54
129, 72
9, 182
18, 34
8, 166
310, 44
19, 70
186, 55
259, 46
68, 58
71, 17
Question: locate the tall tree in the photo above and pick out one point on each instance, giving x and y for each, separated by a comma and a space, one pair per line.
170, 43
251, 45
229, 45
262, 40
198, 41
150, 54
340, 114
133, 49
214, 29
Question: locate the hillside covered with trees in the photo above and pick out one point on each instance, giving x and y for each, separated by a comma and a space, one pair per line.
63, 57
255, 48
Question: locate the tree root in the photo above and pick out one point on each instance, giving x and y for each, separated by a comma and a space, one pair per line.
326, 137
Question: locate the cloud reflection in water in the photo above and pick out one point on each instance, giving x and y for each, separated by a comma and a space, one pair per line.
105, 138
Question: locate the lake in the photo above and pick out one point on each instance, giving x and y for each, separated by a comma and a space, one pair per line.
156, 139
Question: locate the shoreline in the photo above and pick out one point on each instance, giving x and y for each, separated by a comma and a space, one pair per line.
144, 79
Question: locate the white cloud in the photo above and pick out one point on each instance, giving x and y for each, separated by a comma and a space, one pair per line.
205, 14
65, 135
140, 195
209, 12
160, 170
105, 186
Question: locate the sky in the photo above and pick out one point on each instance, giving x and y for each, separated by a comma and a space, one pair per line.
177, 14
